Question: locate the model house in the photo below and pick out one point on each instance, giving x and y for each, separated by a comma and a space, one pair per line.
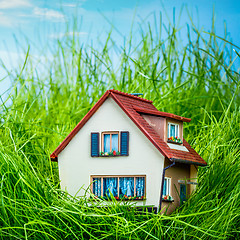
125, 148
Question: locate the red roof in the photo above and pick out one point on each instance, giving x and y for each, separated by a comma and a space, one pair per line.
162, 114
133, 106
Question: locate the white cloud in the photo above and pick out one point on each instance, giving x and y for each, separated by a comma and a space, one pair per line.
49, 14
5, 20
73, 5
5, 4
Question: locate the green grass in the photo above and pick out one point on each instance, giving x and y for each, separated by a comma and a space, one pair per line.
195, 78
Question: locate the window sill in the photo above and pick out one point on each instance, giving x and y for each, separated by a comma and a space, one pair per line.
121, 199
169, 141
111, 155
167, 200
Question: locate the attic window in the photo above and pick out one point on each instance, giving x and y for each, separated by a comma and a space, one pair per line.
173, 133
119, 187
173, 130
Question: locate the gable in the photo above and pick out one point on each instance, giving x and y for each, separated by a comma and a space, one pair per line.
109, 118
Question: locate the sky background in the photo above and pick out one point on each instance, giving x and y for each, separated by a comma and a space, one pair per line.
40, 23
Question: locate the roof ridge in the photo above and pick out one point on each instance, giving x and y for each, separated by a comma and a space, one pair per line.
130, 95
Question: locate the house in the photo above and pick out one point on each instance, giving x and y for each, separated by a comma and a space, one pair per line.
126, 147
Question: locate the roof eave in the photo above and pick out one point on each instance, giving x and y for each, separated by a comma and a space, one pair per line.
187, 161
162, 114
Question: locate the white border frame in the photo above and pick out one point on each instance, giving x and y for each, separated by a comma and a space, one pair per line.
110, 132
168, 187
176, 125
118, 176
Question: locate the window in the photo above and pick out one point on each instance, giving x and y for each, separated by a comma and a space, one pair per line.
112, 143
120, 187
173, 133
173, 130
167, 187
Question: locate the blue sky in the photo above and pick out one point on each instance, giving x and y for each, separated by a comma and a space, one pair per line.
41, 22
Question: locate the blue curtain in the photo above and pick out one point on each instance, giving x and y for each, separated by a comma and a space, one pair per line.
172, 131
165, 187
106, 143
140, 185
110, 185
114, 142
126, 186
97, 186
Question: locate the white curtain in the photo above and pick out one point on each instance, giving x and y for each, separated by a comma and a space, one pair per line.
110, 185
97, 186
140, 185
126, 186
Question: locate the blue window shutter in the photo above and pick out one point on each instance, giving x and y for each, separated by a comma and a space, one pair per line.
124, 143
94, 144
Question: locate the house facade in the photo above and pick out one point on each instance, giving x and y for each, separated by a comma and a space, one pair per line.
123, 148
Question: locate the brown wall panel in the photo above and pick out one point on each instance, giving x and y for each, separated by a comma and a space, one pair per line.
178, 172
157, 123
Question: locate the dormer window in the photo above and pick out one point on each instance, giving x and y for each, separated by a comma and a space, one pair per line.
173, 130
174, 133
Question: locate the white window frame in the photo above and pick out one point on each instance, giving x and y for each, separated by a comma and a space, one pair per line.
118, 177
168, 187
110, 133
176, 131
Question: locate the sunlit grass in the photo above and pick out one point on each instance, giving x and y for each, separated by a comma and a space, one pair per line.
196, 80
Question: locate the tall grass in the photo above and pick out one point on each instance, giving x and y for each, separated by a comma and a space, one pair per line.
195, 78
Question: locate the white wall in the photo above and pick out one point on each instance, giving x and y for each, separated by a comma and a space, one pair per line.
76, 164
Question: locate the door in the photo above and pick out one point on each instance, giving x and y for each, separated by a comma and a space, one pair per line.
183, 193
